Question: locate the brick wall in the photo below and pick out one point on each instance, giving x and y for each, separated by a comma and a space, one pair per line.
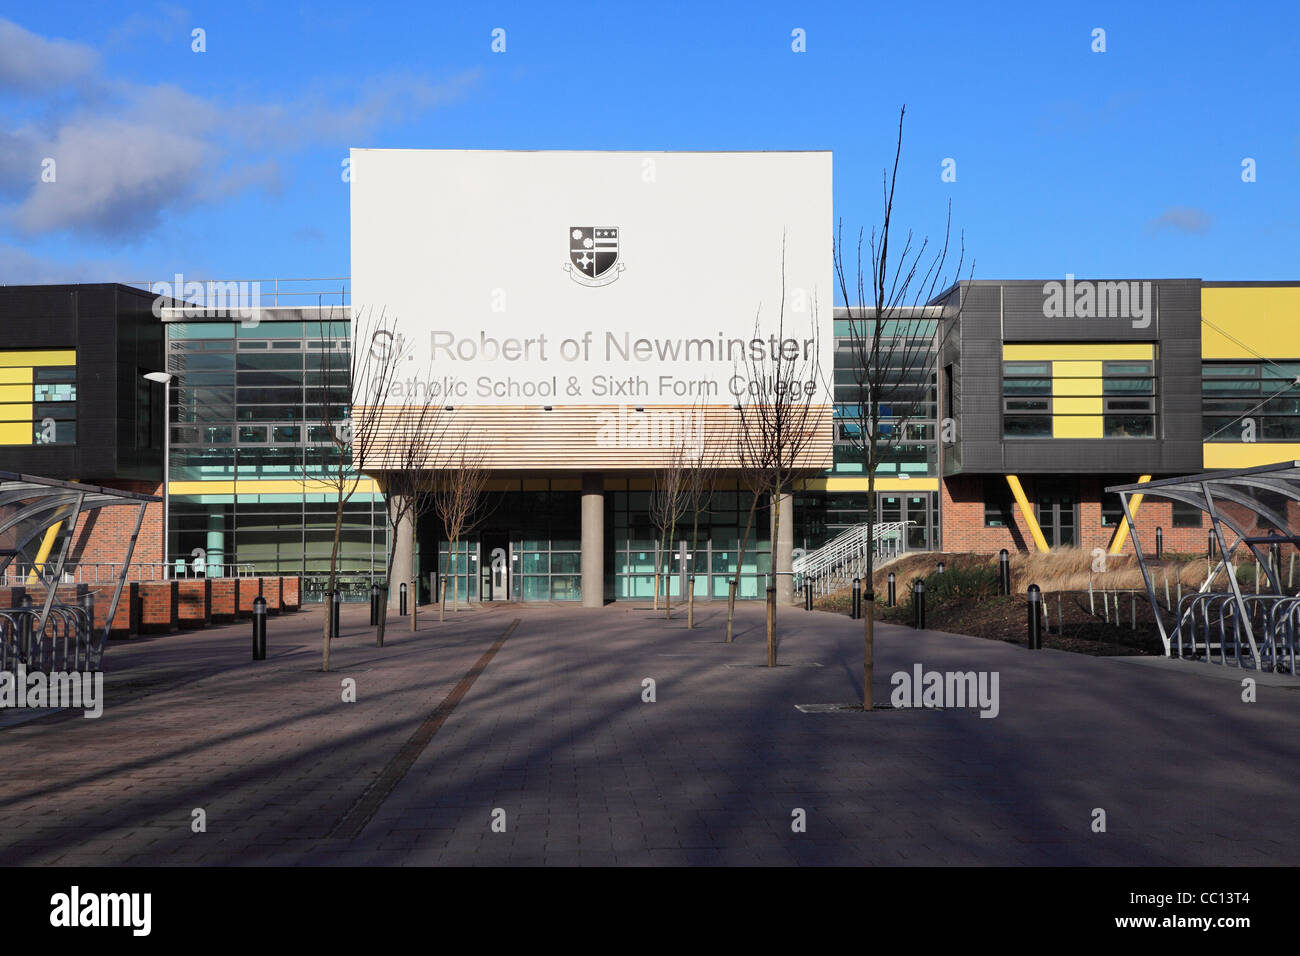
271, 591
249, 588
963, 520
157, 601
194, 602
224, 605
290, 593
103, 534
126, 620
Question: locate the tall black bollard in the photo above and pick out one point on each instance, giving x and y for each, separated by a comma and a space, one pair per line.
374, 605
893, 596
401, 592
1209, 548
807, 595
1035, 618
1160, 542
918, 604
87, 601
1275, 550
259, 628
26, 628
855, 612
1004, 572
336, 599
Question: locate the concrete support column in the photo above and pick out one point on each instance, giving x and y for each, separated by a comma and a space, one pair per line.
401, 558
783, 552
215, 549
593, 540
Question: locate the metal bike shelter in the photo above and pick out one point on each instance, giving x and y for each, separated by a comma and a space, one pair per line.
1246, 489
29, 507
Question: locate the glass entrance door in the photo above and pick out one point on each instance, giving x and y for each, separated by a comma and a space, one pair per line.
495, 567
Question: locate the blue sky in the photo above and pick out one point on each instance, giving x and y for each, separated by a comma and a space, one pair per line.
226, 163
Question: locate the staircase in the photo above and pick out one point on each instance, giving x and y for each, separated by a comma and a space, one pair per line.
836, 563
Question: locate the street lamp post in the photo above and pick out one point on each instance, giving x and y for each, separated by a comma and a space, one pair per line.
165, 379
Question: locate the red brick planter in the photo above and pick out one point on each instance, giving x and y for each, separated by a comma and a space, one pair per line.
271, 591
249, 588
290, 593
224, 608
158, 611
126, 621
194, 602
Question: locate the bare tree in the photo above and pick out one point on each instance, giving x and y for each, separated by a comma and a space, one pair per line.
668, 503
701, 480
415, 439
351, 388
456, 492
779, 423
893, 349
751, 479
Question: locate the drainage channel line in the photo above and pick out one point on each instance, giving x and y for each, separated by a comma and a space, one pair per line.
354, 821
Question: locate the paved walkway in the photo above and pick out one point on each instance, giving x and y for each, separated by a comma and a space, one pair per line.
552, 732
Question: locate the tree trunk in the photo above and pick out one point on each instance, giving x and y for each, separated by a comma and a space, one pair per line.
690, 577
333, 583
734, 589
771, 603
415, 594
869, 596
668, 578
388, 582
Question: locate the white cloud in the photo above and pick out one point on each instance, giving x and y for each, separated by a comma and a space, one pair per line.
127, 153
33, 64
1185, 219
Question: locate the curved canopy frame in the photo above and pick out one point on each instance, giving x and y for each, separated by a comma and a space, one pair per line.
1269, 492
30, 507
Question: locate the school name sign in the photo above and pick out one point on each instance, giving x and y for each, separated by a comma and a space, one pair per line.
591, 277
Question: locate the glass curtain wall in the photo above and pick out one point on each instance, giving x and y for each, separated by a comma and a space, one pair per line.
247, 413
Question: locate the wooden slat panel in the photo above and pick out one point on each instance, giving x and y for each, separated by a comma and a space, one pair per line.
588, 437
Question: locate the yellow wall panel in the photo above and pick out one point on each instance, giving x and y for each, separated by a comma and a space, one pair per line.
16, 393
1097, 351
1076, 406
30, 357
16, 433
1078, 370
1264, 320
270, 486
13, 376
891, 485
1248, 454
1076, 426
17, 413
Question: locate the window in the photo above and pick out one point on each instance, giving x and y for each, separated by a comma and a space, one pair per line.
1069, 399
1186, 516
997, 503
38, 403
1112, 511
1257, 401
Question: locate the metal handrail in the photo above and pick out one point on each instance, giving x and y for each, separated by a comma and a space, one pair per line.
106, 573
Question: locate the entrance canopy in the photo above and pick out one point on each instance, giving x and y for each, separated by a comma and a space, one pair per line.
1260, 508
38, 523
